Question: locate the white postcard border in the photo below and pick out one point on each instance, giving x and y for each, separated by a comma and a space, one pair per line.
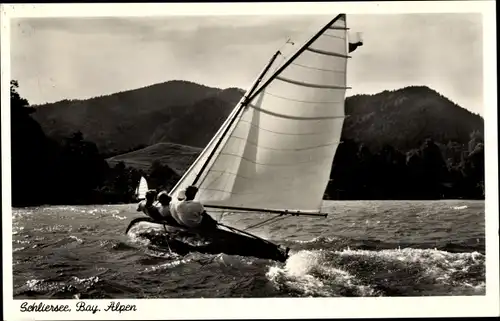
487, 305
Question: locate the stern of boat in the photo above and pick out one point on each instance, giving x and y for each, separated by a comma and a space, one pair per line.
283, 253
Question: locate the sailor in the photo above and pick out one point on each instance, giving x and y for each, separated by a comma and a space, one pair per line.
148, 207
190, 213
164, 208
173, 205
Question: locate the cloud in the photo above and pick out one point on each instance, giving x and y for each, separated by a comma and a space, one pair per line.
57, 58
443, 51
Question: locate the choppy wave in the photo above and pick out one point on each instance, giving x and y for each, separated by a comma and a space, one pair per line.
58, 289
380, 273
366, 249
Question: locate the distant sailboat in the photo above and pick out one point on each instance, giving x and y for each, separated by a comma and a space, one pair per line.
142, 188
274, 152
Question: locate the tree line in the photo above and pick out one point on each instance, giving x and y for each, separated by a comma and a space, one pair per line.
73, 171
419, 174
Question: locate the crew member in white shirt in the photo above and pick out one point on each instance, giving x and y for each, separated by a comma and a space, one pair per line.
190, 213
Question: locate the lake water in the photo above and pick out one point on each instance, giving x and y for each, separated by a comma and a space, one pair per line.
363, 248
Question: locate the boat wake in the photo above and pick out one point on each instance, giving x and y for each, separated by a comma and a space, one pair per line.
395, 272
307, 273
329, 266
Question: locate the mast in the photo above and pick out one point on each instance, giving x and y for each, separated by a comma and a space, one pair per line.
297, 53
240, 108
219, 170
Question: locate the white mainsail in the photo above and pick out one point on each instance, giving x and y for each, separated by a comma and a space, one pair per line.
141, 189
278, 153
195, 169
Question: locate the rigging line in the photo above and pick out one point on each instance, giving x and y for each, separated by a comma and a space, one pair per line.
288, 42
221, 217
277, 63
269, 222
213, 181
278, 219
263, 222
246, 233
226, 172
168, 245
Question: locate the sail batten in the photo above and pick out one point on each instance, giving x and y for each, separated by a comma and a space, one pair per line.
333, 36
285, 116
270, 164
312, 133
295, 149
304, 101
322, 69
276, 152
305, 84
327, 53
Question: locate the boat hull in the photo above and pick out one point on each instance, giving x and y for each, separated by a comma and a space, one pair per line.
214, 241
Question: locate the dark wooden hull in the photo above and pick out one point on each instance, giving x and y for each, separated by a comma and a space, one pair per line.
222, 239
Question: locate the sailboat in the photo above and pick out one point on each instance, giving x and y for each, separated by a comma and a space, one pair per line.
142, 188
274, 152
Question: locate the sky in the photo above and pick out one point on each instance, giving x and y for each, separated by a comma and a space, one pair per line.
78, 58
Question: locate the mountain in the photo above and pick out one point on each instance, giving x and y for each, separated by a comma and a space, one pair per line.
405, 118
177, 157
199, 122
124, 120
186, 113
410, 143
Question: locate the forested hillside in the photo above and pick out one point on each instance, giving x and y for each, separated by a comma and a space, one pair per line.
411, 143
